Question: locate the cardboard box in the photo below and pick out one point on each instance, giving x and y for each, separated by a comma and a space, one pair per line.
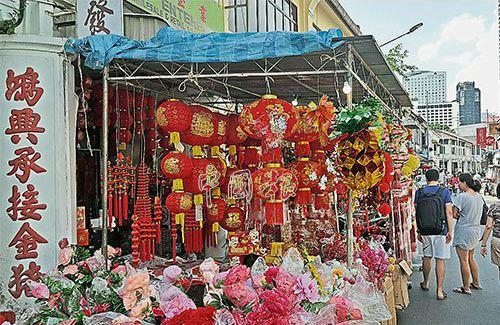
388, 290
400, 282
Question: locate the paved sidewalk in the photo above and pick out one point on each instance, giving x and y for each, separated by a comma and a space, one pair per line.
481, 308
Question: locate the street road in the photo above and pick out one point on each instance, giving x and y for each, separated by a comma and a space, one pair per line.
482, 307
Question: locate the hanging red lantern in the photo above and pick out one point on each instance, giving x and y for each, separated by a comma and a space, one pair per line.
274, 184
218, 162
234, 218
269, 119
173, 115
216, 211
179, 202
384, 209
125, 135
221, 123
384, 187
235, 134
322, 201
202, 127
176, 165
308, 174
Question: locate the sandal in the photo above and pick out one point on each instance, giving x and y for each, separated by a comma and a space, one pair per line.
443, 297
422, 287
475, 287
462, 291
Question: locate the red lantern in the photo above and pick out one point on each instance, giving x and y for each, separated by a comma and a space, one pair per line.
202, 127
274, 184
306, 129
221, 122
125, 136
384, 187
384, 209
269, 119
176, 165
234, 218
173, 115
217, 161
322, 201
308, 174
178, 203
216, 211
235, 134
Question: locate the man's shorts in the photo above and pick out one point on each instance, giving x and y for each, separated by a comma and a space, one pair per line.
436, 246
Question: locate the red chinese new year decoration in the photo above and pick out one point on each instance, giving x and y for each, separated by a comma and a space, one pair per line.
384, 209
234, 218
235, 134
202, 128
173, 115
176, 165
308, 174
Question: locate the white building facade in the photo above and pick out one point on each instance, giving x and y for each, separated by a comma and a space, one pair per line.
445, 113
426, 87
453, 154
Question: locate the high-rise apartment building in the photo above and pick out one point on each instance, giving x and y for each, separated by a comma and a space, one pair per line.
469, 101
444, 114
426, 87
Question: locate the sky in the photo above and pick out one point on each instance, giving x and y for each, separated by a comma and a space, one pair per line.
458, 36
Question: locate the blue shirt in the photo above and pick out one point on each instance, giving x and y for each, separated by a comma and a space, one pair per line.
445, 198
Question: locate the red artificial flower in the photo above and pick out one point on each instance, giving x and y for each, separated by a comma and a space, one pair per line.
199, 316
158, 313
271, 274
184, 283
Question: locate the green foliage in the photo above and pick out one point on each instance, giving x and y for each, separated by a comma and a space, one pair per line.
313, 307
396, 60
361, 116
440, 127
9, 26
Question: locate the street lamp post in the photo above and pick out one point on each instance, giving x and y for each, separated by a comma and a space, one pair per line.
411, 30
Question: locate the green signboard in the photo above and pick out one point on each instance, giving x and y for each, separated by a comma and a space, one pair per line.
193, 15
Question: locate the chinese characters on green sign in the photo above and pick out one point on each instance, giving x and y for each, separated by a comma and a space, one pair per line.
192, 15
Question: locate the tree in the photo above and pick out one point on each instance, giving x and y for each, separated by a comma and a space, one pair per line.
396, 60
8, 26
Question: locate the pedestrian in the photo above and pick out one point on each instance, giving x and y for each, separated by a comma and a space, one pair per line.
468, 208
436, 242
493, 222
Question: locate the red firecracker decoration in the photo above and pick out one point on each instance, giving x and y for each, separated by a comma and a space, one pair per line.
269, 119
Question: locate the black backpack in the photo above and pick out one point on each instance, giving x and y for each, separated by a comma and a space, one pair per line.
430, 212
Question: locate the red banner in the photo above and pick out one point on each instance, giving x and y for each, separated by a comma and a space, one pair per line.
481, 137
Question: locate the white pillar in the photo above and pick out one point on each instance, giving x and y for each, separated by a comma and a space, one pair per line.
51, 147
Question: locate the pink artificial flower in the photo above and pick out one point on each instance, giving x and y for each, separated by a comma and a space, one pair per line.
100, 308
38, 289
208, 270
224, 317
219, 279
241, 295
65, 255
239, 318
84, 302
119, 269
271, 274
144, 305
239, 273
125, 320
96, 262
172, 273
285, 282
71, 269
306, 288
277, 302
54, 299
176, 305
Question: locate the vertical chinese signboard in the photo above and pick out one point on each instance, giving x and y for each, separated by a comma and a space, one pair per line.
99, 17
199, 16
481, 137
34, 161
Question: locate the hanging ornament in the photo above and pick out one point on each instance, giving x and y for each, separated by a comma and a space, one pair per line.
202, 128
178, 203
176, 165
219, 163
235, 134
384, 209
269, 119
234, 218
308, 174
173, 115
322, 201
221, 124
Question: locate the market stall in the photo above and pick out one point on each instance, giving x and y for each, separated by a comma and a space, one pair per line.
277, 157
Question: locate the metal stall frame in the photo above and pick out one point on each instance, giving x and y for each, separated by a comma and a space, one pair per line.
225, 86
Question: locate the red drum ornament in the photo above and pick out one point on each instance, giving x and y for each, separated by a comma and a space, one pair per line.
234, 218
202, 127
269, 119
176, 165
173, 115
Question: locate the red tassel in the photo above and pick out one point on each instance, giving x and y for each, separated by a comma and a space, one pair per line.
115, 205
274, 212
110, 209
120, 208
304, 196
174, 242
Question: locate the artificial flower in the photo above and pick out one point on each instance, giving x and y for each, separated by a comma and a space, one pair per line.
239, 273
65, 255
277, 302
71, 269
219, 279
285, 282
241, 295
271, 273
125, 320
68, 322
306, 288
173, 301
172, 273
143, 306
120, 269
198, 316
208, 270
38, 290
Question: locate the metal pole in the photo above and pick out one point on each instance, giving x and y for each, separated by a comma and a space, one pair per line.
350, 211
104, 164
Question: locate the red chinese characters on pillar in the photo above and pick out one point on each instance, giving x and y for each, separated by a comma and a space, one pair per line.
24, 86
27, 207
19, 277
25, 162
26, 242
24, 121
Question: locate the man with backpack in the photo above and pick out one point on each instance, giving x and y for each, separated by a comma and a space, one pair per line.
434, 217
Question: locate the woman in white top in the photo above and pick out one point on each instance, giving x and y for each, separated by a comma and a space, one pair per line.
468, 208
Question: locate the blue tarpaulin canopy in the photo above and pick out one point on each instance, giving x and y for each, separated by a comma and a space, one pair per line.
172, 45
